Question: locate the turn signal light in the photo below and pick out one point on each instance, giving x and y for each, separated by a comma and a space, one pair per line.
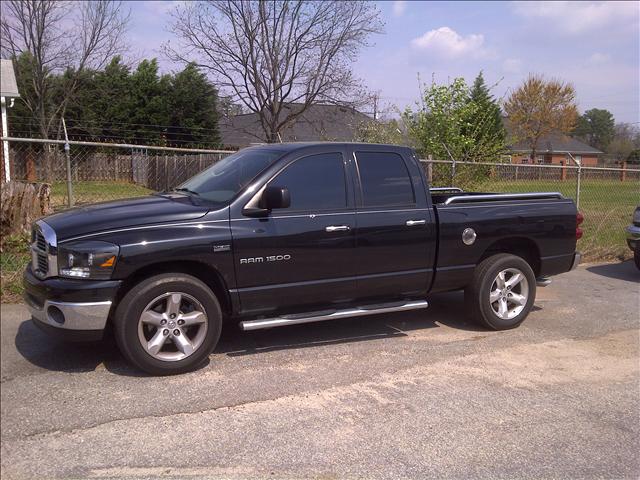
109, 262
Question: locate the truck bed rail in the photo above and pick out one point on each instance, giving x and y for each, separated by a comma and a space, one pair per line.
445, 189
488, 197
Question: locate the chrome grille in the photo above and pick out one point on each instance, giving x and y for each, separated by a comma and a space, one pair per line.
43, 263
41, 243
43, 250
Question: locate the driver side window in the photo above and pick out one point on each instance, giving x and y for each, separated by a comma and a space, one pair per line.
316, 182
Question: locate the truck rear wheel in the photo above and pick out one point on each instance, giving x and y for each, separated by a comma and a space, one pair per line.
168, 324
502, 292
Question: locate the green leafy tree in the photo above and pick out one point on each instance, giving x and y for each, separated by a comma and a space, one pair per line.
193, 109
450, 125
596, 127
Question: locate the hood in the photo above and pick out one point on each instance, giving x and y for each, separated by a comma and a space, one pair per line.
124, 213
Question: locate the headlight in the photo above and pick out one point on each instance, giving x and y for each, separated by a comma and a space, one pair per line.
93, 259
636, 216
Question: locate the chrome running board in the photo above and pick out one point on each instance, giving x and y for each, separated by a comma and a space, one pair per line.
332, 315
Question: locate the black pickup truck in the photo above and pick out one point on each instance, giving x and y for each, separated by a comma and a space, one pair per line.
285, 234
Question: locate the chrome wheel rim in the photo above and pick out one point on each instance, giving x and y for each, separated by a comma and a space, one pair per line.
509, 293
172, 326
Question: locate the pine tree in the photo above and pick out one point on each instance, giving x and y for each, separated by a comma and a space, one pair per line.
487, 117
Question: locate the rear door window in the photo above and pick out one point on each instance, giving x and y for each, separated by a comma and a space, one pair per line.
385, 180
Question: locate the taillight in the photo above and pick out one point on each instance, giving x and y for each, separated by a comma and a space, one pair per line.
579, 220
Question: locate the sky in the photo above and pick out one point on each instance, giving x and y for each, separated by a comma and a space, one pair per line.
593, 45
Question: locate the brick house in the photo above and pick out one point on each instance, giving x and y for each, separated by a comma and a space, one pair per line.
555, 149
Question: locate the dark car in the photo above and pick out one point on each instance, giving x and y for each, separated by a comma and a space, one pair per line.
633, 236
287, 234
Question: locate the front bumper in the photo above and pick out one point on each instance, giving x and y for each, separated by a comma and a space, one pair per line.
72, 309
633, 236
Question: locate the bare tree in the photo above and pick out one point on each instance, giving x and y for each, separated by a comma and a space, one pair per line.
53, 37
269, 55
540, 107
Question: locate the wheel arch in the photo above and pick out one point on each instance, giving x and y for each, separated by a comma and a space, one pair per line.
523, 247
209, 275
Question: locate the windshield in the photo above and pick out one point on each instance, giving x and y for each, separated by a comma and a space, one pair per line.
222, 181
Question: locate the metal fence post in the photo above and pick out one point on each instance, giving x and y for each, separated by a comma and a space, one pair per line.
453, 172
579, 174
453, 166
67, 152
578, 186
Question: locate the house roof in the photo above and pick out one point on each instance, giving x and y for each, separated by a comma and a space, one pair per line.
557, 143
8, 85
318, 122
552, 143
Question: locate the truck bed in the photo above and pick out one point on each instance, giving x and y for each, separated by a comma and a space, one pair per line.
539, 226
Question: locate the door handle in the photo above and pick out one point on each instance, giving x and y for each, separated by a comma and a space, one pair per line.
411, 223
337, 228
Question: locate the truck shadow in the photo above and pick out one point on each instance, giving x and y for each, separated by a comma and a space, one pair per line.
445, 310
52, 354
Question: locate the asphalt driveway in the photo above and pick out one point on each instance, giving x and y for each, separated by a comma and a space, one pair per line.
392, 396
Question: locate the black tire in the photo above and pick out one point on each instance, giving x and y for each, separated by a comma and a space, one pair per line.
636, 255
477, 294
129, 311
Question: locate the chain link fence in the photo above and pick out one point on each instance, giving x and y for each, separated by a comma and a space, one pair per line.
87, 172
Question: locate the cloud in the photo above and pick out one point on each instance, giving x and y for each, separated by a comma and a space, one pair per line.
598, 58
512, 65
399, 6
445, 41
580, 17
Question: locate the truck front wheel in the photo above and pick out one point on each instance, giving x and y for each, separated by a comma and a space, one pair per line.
502, 292
168, 324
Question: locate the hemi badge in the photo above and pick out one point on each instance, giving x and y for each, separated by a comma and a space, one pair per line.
221, 248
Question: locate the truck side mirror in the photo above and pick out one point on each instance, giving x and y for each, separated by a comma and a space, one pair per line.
275, 197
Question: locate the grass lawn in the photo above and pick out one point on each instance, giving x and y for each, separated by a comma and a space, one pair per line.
93, 192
